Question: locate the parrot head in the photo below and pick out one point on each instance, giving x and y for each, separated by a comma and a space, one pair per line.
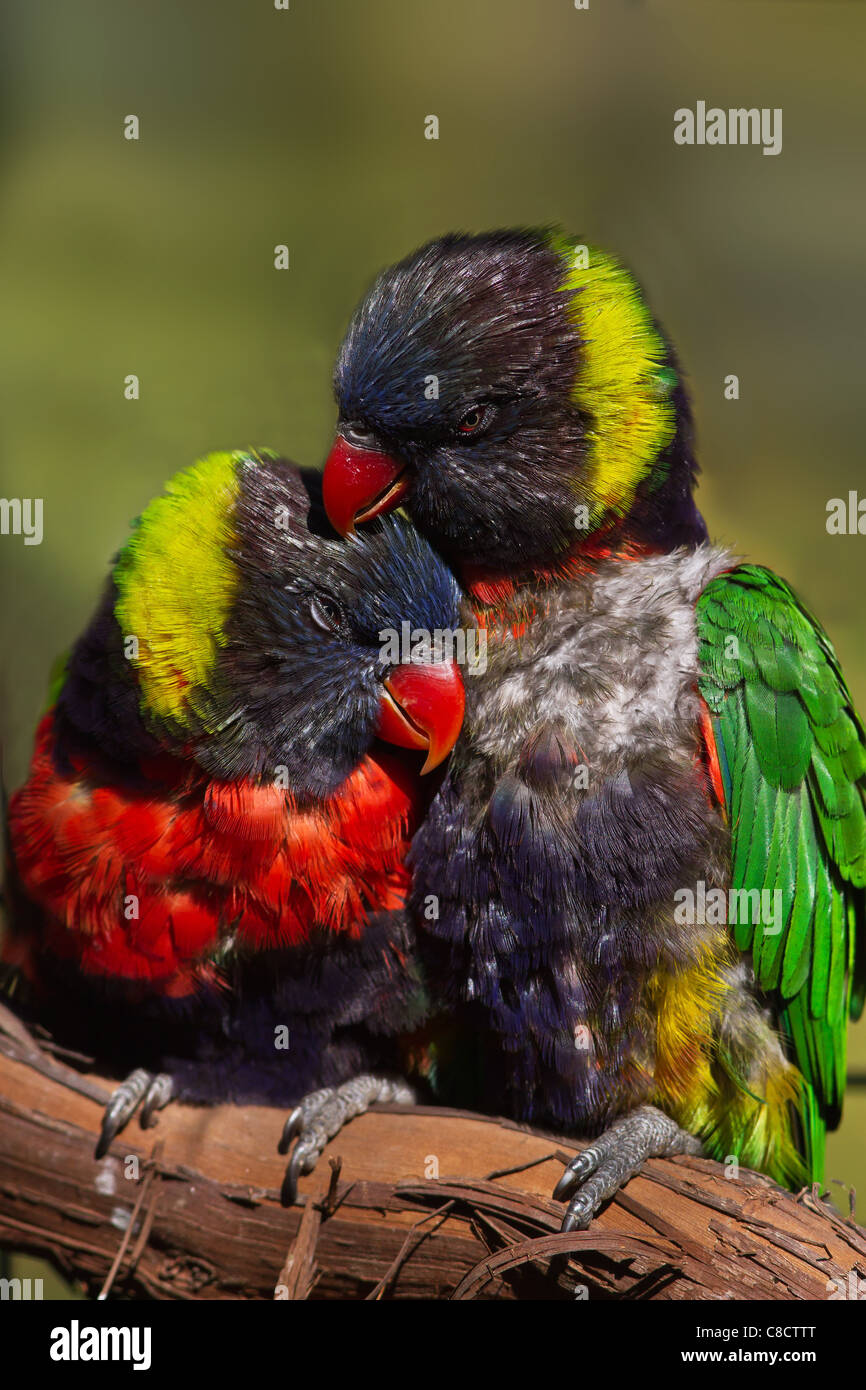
260, 643
513, 392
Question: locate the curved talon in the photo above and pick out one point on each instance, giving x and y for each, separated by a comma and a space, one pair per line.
615, 1157
111, 1124
291, 1129
289, 1189
323, 1113
120, 1108
159, 1093
566, 1184
147, 1118
579, 1168
579, 1215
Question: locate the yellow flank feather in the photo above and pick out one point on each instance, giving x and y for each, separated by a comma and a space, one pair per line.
623, 383
685, 1006
752, 1122
176, 584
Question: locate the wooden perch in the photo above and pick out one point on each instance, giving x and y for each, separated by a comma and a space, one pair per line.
198, 1215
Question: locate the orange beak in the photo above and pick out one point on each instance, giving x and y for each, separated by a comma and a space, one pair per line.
422, 707
359, 484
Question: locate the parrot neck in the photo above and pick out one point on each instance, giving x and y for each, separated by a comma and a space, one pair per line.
664, 519
497, 589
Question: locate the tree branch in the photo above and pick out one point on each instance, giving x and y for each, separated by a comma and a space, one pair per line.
197, 1216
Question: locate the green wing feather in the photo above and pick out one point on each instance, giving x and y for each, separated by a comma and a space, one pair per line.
792, 752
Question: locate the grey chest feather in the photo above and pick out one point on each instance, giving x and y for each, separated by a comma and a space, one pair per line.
611, 657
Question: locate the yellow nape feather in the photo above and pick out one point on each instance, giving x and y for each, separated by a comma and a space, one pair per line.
623, 383
176, 584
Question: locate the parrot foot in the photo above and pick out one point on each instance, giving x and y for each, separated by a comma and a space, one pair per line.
614, 1157
322, 1114
152, 1091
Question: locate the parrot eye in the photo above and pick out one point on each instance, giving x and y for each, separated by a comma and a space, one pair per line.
327, 614
475, 418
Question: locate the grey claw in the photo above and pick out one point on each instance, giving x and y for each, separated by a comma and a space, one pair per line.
579, 1215
566, 1184
289, 1189
110, 1128
120, 1108
323, 1113
159, 1093
578, 1169
291, 1129
615, 1157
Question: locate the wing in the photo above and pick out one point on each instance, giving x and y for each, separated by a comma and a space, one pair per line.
791, 753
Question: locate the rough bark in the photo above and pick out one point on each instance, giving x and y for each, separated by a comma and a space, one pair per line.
198, 1215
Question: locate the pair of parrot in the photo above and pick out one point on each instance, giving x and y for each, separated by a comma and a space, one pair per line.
637, 895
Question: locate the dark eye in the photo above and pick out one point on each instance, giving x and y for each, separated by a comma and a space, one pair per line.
326, 613
475, 419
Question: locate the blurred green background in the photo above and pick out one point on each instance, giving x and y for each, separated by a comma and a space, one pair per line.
261, 126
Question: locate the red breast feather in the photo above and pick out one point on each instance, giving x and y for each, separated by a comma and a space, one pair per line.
150, 873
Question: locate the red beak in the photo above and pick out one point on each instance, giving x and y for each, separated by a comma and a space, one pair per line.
359, 484
422, 707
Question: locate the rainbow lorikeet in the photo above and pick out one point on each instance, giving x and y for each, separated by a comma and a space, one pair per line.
208, 853
642, 880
